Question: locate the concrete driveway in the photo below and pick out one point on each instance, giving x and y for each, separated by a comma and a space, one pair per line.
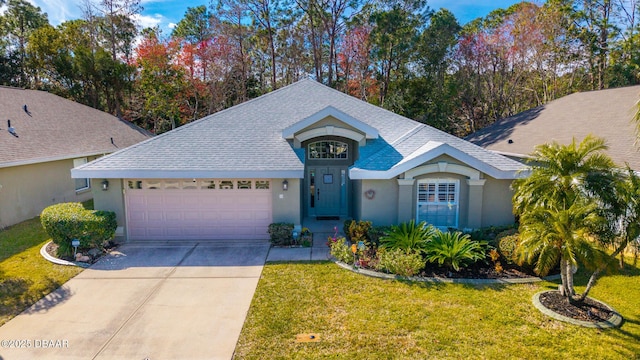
144, 301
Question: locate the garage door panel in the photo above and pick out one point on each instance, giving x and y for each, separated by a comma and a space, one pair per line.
210, 215
137, 215
154, 216
236, 230
137, 233
263, 216
201, 214
243, 201
191, 201
153, 201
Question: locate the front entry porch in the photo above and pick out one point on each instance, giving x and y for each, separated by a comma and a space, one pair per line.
321, 230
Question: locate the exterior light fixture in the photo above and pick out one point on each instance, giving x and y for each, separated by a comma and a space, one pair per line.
285, 185
105, 185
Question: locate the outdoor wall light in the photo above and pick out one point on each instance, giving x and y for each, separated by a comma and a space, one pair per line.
285, 185
105, 185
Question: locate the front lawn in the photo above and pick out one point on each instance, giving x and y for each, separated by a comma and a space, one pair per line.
358, 317
25, 276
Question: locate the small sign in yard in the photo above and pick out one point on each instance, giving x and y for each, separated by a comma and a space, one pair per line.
304, 338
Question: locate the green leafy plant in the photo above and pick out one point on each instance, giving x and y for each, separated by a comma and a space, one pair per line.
376, 232
507, 246
400, 262
281, 234
67, 221
358, 231
341, 250
408, 236
454, 250
492, 232
345, 228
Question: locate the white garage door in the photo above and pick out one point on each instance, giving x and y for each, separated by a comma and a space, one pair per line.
198, 209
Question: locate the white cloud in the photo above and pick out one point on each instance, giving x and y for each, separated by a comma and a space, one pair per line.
146, 21
172, 25
59, 11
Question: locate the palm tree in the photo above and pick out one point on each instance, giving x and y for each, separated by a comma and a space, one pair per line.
623, 217
560, 173
551, 235
559, 206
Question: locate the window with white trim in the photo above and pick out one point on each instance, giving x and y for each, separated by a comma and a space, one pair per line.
438, 202
81, 184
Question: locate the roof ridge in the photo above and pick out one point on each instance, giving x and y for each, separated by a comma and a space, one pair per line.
409, 134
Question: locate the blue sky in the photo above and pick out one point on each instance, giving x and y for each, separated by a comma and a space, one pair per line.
167, 12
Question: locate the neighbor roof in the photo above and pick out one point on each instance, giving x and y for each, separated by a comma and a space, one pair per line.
48, 127
605, 113
249, 140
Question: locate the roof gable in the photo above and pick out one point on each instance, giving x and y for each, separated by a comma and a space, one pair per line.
430, 151
330, 111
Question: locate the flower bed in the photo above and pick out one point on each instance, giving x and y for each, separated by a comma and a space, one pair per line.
419, 250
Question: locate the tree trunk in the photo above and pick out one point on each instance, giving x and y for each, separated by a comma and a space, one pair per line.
594, 276
570, 271
564, 290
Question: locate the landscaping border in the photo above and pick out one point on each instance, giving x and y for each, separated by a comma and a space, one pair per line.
45, 254
614, 321
380, 275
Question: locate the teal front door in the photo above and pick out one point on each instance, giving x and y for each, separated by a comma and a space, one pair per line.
327, 190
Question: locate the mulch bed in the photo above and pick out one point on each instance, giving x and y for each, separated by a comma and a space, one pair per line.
52, 249
589, 310
478, 271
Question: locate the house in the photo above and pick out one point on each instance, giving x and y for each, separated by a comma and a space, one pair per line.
304, 151
42, 137
605, 113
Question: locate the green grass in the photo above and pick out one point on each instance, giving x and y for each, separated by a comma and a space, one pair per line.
358, 317
25, 276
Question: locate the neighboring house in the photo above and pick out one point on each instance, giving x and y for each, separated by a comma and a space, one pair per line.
605, 113
303, 151
42, 137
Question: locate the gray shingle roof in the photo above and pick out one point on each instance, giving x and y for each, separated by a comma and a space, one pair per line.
605, 113
55, 128
246, 140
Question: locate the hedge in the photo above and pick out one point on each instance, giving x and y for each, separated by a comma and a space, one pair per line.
281, 234
67, 221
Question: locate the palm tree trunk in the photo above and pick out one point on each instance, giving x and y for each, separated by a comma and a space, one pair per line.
564, 290
594, 276
571, 290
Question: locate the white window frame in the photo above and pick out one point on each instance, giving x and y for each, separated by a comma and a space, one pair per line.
79, 162
455, 202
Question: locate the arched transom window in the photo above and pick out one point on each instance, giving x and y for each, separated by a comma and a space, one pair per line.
328, 149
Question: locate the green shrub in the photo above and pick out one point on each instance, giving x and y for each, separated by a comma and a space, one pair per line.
358, 231
342, 251
67, 221
408, 236
507, 246
345, 228
400, 262
376, 232
281, 234
454, 250
490, 232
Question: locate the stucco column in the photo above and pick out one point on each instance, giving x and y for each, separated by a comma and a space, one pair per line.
406, 202
474, 216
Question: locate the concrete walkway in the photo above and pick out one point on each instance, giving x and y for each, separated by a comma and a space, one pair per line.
319, 251
144, 301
